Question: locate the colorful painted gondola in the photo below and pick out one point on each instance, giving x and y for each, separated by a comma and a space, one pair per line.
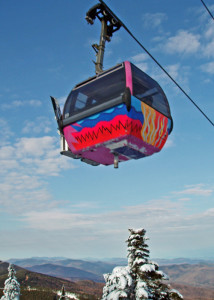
118, 114
115, 116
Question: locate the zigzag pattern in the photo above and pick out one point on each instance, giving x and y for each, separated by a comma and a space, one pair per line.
111, 129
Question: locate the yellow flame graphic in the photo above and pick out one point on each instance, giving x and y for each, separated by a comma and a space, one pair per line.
152, 129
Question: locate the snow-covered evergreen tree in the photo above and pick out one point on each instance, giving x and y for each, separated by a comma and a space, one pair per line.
119, 284
149, 280
11, 286
141, 279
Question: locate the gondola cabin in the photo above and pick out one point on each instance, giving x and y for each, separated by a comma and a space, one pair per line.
117, 115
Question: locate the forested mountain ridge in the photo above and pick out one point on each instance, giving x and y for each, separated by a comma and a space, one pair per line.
69, 273
194, 281
197, 275
96, 267
181, 271
40, 285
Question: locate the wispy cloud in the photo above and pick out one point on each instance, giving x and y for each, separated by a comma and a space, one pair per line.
209, 32
5, 132
138, 58
208, 49
208, 40
154, 20
197, 190
174, 70
177, 71
57, 219
161, 218
169, 143
20, 103
140, 61
40, 125
183, 42
25, 167
207, 37
208, 67
167, 222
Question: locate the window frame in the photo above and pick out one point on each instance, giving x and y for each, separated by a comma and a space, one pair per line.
151, 84
103, 104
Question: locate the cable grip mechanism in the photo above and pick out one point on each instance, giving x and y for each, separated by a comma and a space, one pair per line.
109, 24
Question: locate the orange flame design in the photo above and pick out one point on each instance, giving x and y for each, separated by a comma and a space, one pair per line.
154, 129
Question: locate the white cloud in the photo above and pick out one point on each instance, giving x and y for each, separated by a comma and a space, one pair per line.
208, 49
207, 37
208, 67
139, 61
209, 212
21, 103
168, 223
34, 146
5, 132
57, 220
143, 66
197, 190
184, 43
177, 72
40, 125
159, 76
209, 32
164, 220
154, 20
169, 143
154, 213
139, 57
25, 167
184, 199
174, 70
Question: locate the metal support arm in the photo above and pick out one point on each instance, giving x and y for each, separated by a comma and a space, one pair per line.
109, 24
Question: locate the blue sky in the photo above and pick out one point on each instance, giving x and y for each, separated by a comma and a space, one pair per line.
54, 206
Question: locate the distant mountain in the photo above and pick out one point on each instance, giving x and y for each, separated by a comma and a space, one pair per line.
87, 288
197, 275
69, 273
68, 262
29, 262
97, 268
178, 261
190, 292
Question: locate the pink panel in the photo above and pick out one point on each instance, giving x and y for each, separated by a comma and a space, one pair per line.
128, 76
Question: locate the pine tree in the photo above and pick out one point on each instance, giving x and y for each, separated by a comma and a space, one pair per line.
63, 296
149, 281
11, 286
141, 279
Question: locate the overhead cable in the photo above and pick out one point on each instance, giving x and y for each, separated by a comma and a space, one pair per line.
155, 60
207, 9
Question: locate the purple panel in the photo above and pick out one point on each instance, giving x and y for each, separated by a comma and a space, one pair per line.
102, 155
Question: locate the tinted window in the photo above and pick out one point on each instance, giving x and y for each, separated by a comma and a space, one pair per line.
102, 89
148, 90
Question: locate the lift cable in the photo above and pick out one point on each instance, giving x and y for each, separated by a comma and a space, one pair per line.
207, 9
155, 60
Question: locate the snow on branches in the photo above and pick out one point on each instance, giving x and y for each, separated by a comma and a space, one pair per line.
141, 279
118, 284
11, 286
